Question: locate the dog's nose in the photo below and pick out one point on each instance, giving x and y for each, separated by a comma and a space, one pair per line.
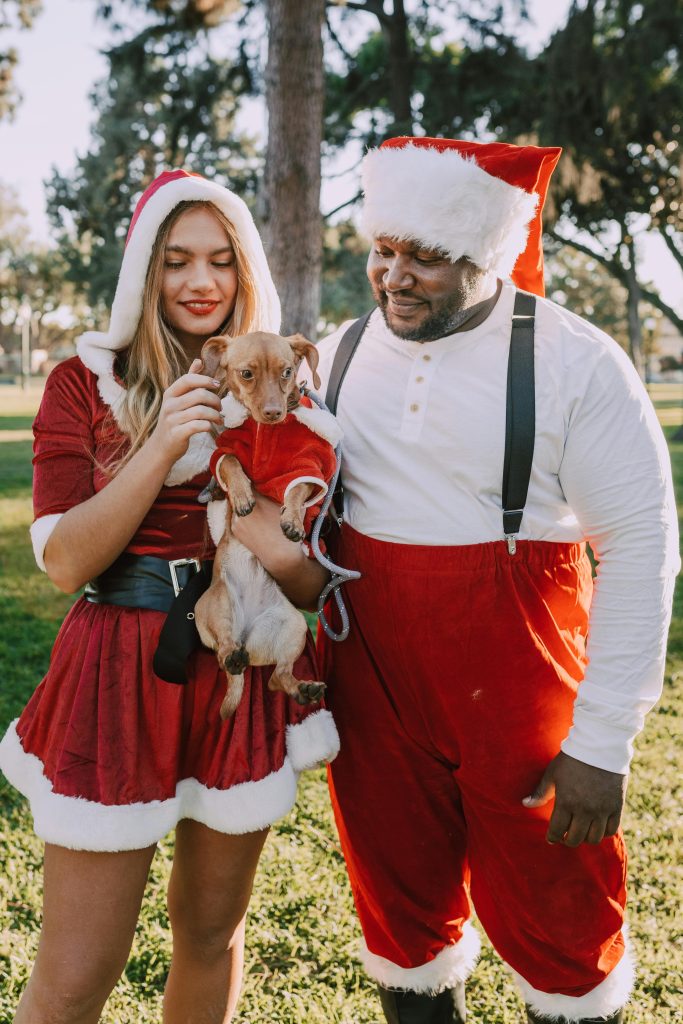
272, 413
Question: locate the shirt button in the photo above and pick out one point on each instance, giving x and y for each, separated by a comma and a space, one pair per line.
426, 358
414, 407
418, 380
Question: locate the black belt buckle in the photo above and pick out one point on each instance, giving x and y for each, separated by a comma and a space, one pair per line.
175, 564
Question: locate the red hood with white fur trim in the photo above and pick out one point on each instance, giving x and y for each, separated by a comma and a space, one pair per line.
97, 350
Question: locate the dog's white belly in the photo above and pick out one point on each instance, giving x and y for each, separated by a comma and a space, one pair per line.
264, 620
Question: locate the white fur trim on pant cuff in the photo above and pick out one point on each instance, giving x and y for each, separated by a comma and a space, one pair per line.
41, 532
603, 1001
313, 741
80, 824
316, 496
452, 965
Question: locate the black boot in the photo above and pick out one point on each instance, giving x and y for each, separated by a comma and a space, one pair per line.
417, 1008
616, 1018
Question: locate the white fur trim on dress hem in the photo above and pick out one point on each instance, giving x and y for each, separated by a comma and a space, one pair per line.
80, 824
313, 741
41, 531
452, 965
603, 1001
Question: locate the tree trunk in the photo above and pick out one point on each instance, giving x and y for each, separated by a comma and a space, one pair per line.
395, 30
292, 227
635, 328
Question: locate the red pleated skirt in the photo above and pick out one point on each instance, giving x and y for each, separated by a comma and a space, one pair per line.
111, 757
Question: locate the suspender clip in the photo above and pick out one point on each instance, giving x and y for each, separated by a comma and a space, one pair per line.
511, 543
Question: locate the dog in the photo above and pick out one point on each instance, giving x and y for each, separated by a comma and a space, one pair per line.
288, 445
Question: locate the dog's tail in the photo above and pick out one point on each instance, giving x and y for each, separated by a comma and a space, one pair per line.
233, 696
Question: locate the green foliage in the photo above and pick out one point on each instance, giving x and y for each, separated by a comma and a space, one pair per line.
585, 287
167, 103
13, 14
31, 273
345, 289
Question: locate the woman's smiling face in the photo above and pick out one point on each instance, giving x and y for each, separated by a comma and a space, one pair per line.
199, 281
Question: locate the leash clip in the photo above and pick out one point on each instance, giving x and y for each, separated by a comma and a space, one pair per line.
173, 566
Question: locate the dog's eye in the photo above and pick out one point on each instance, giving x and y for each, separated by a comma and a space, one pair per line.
287, 373
246, 374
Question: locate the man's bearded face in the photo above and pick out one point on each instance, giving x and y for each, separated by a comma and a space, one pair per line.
421, 293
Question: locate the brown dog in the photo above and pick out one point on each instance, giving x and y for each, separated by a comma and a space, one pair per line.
244, 616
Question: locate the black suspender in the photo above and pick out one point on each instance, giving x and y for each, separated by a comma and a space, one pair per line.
520, 418
342, 359
520, 421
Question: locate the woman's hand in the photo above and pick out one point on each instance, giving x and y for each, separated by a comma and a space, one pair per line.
188, 407
301, 578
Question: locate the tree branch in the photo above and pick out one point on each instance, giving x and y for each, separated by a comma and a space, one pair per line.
672, 247
375, 7
610, 264
655, 300
354, 199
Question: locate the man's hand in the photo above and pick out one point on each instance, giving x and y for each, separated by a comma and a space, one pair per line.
588, 801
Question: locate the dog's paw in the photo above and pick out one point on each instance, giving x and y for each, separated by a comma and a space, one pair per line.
292, 530
237, 661
243, 506
310, 693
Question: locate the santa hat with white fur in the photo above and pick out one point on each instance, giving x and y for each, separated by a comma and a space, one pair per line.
479, 200
97, 350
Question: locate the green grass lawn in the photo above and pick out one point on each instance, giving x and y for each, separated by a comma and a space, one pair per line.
302, 934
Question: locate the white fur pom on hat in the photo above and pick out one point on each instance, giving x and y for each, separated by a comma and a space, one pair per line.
479, 200
157, 201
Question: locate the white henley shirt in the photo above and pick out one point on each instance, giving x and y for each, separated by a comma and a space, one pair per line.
424, 439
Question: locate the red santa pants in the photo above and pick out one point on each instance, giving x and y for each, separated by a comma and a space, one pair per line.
451, 695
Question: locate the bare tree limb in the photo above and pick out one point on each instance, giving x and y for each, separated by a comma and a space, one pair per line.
354, 199
655, 300
375, 7
611, 264
672, 247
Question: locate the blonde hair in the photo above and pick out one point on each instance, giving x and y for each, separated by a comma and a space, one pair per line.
155, 357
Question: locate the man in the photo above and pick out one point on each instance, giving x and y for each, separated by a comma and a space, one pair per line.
486, 698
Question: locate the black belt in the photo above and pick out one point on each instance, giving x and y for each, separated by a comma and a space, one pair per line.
143, 581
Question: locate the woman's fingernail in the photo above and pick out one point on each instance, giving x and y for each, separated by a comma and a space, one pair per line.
216, 383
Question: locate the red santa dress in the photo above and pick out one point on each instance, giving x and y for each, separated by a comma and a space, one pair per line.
109, 755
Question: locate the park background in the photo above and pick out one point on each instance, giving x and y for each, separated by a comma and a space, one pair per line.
278, 99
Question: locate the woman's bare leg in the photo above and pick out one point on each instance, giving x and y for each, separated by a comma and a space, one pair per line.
211, 883
91, 904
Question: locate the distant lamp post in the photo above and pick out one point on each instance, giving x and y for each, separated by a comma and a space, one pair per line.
25, 322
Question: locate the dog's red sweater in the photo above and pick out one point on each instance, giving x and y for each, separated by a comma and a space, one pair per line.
277, 456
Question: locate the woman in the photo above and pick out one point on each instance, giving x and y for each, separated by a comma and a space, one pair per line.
110, 756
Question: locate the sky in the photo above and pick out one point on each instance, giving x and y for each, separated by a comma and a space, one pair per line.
59, 62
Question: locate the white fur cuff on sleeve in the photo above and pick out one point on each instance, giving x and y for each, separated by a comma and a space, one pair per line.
40, 535
315, 497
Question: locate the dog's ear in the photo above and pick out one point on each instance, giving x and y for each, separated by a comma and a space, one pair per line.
214, 356
305, 349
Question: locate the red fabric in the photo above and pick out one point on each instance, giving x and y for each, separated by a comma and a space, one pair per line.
104, 725
526, 167
107, 729
452, 693
75, 437
274, 455
154, 187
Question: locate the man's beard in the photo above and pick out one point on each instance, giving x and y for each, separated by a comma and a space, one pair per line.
440, 323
